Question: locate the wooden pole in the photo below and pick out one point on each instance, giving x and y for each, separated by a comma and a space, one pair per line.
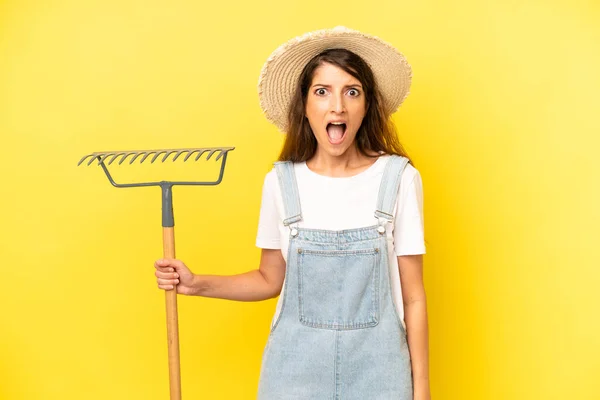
172, 320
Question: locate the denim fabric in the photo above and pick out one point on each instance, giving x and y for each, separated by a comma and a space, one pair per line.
338, 335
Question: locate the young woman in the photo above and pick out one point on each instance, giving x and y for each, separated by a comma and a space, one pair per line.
341, 228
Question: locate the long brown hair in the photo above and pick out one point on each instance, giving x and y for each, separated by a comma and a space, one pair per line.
377, 132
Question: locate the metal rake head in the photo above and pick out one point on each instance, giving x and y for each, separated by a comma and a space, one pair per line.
111, 156
166, 186
103, 155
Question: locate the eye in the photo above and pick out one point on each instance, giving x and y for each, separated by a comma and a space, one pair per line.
320, 91
356, 92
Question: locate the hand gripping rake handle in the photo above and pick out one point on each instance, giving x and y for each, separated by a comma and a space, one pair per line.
168, 224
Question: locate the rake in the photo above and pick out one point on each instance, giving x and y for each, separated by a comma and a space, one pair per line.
168, 224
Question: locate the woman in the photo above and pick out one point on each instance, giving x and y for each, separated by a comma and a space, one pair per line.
341, 228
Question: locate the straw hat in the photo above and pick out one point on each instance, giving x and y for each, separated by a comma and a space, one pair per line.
279, 74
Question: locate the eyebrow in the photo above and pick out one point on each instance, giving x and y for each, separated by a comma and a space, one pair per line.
328, 86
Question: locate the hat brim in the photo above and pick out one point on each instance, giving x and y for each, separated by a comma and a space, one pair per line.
280, 73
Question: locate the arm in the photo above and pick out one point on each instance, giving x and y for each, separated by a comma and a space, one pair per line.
415, 315
259, 284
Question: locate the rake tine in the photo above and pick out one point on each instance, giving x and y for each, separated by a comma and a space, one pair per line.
210, 154
83, 158
136, 156
168, 153
188, 156
125, 156
99, 157
106, 156
178, 154
114, 155
220, 155
158, 153
146, 154
200, 153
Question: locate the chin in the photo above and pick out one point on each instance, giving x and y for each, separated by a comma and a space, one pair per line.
336, 150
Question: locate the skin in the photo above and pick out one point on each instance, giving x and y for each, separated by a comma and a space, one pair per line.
334, 94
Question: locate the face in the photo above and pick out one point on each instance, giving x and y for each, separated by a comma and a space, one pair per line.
334, 97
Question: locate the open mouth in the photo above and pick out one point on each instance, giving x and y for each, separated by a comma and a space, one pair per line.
336, 133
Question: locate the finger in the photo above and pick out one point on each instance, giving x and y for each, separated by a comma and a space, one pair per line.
162, 281
166, 268
166, 287
163, 271
162, 262
166, 275
168, 263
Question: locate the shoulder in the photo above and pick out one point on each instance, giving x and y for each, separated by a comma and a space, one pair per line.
271, 179
409, 173
410, 181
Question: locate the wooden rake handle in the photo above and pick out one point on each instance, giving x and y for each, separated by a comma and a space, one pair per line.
172, 320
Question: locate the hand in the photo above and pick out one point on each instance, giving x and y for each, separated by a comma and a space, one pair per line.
173, 273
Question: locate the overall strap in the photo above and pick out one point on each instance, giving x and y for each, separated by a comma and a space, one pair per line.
289, 191
388, 188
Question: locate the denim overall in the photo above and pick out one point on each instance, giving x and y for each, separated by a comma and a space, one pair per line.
338, 335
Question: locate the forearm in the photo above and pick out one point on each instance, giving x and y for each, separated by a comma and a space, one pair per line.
249, 286
415, 314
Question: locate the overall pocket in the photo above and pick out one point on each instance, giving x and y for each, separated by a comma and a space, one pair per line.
338, 289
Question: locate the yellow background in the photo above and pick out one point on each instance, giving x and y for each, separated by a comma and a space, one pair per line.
502, 123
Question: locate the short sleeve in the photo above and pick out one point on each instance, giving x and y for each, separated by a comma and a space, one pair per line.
268, 222
409, 235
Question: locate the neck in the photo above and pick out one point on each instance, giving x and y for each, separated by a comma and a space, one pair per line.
338, 166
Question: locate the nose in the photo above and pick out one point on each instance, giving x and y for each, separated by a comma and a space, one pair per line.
337, 103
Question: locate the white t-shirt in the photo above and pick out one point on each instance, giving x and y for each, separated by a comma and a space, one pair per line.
337, 203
